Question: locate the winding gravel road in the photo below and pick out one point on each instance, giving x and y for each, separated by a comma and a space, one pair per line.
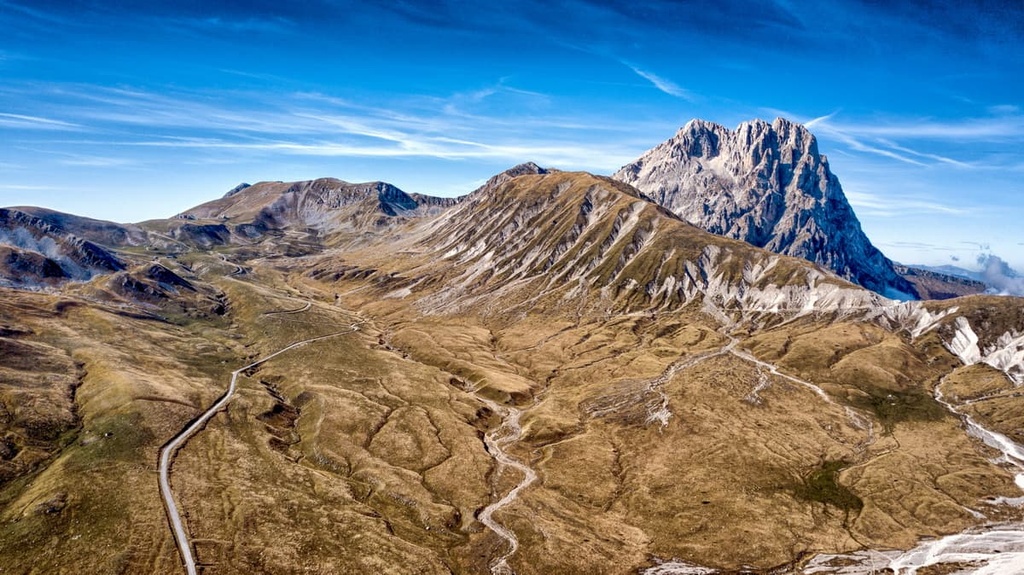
171, 448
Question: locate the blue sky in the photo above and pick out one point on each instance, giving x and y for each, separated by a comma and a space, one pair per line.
129, 111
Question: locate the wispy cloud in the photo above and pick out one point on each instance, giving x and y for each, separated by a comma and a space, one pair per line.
1007, 109
916, 245
925, 155
555, 154
667, 86
858, 145
28, 188
255, 75
254, 124
352, 126
1007, 126
23, 121
819, 120
48, 17
878, 205
500, 94
309, 114
98, 162
880, 139
270, 25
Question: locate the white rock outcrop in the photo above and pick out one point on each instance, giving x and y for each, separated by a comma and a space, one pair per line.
765, 184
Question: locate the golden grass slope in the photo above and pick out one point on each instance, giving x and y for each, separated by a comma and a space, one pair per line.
661, 423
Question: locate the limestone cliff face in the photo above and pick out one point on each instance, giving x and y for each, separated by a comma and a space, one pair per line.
768, 185
37, 252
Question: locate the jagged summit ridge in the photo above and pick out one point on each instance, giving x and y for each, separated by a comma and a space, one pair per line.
237, 189
524, 169
315, 203
766, 184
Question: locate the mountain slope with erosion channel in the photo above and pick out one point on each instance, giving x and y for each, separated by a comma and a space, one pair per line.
553, 374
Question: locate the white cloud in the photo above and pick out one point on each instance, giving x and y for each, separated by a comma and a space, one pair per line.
936, 157
27, 188
1011, 127
98, 162
34, 122
893, 205
819, 120
554, 154
667, 86
878, 140
998, 274
1006, 109
859, 146
253, 124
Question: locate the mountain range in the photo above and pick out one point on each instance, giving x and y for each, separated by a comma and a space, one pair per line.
556, 373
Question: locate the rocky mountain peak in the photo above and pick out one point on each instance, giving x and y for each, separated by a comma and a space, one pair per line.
523, 169
698, 139
768, 185
237, 189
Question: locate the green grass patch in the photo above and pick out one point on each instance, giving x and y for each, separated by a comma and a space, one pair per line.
894, 406
822, 485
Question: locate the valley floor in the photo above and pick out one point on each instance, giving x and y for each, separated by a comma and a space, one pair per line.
366, 435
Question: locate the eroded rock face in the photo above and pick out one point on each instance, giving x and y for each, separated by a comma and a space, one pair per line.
35, 252
325, 206
523, 169
768, 185
312, 203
